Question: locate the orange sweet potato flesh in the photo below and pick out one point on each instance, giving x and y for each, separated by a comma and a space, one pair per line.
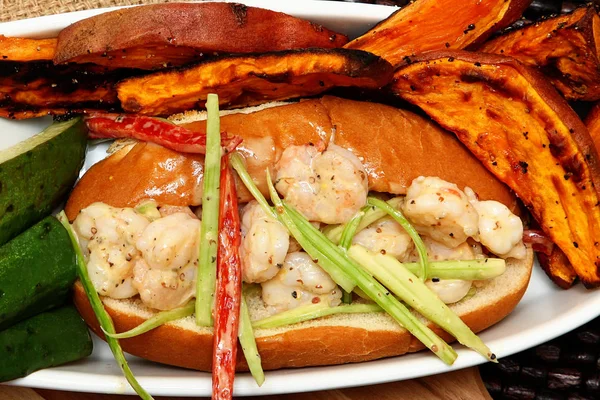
525, 133
22, 49
160, 35
427, 25
566, 48
253, 79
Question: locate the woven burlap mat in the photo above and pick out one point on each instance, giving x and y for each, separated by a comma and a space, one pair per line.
19, 9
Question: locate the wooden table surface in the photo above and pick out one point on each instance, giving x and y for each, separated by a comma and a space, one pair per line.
457, 385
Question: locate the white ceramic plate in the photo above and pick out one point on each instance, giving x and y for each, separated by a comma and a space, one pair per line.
544, 313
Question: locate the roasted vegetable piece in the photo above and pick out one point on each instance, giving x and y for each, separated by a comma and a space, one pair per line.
593, 124
22, 49
558, 268
252, 79
565, 48
32, 89
524, 133
427, 25
161, 35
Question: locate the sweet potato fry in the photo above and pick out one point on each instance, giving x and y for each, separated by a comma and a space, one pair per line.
252, 79
22, 49
558, 268
593, 124
37, 88
428, 25
161, 35
565, 48
519, 127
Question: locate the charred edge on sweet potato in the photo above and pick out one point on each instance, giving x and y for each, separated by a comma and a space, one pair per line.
524, 133
564, 47
245, 80
558, 268
165, 35
37, 88
22, 49
428, 25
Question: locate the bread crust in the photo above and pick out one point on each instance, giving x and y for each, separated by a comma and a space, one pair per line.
296, 347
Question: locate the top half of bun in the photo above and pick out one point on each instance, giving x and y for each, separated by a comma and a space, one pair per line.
395, 145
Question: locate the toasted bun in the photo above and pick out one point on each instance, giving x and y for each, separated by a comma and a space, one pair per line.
396, 146
337, 339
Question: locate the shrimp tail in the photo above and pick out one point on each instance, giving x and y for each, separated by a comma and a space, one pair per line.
229, 287
156, 130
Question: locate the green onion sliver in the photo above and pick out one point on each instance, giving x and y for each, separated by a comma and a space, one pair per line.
416, 294
101, 315
351, 228
414, 235
336, 260
209, 231
373, 214
467, 270
238, 165
248, 343
312, 311
159, 319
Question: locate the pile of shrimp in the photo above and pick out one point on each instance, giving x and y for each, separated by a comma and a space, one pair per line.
129, 253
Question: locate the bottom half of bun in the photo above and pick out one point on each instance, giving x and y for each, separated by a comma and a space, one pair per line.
337, 339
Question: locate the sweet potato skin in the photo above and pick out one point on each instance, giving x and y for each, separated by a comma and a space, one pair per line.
428, 25
252, 79
518, 126
22, 49
155, 36
564, 47
558, 268
593, 124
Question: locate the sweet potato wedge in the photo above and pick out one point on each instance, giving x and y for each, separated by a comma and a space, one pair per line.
525, 133
558, 268
565, 48
37, 88
22, 49
593, 124
428, 25
160, 35
252, 79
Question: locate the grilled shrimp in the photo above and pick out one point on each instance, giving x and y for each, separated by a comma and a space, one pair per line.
265, 242
449, 290
107, 236
500, 230
165, 275
328, 186
440, 210
385, 236
301, 281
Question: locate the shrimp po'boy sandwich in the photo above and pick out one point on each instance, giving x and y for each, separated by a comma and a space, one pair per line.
361, 231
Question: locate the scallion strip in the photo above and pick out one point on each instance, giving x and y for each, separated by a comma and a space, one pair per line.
341, 264
312, 311
102, 316
238, 165
467, 270
157, 320
248, 343
209, 231
416, 294
414, 235
373, 214
351, 228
